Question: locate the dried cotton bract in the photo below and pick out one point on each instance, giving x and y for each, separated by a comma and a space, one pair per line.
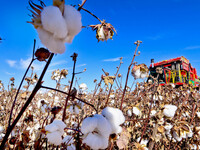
104, 31
56, 25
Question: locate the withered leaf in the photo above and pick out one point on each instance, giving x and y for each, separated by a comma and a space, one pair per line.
123, 141
109, 79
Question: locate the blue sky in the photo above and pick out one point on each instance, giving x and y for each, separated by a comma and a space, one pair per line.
168, 29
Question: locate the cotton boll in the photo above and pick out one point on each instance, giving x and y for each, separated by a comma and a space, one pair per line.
160, 97
95, 141
136, 111
176, 137
193, 146
71, 110
129, 113
190, 134
55, 138
53, 21
137, 74
153, 112
83, 86
118, 129
168, 126
73, 21
101, 34
56, 125
155, 97
43, 108
144, 75
169, 110
120, 116
103, 126
55, 45
88, 125
112, 96
51, 128
198, 114
1, 136
113, 115
1, 129
60, 124
76, 110
183, 134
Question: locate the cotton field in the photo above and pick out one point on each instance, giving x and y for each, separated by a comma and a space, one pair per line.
128, 114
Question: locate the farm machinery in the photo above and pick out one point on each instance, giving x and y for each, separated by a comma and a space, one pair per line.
177, 71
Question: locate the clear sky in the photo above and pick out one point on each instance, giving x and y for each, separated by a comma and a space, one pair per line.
168, 29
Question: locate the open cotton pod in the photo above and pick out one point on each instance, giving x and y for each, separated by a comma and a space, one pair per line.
56, 25
140, 71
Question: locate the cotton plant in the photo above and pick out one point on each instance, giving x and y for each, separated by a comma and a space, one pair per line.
55, 131
56, 25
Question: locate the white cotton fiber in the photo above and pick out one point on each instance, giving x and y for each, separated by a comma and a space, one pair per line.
95, 141
56, 125
1, 136
55, 138
51, 128
169, 110
103, 126
55, 45
136, 111
73, 21
113, 114
89, 124
1, 129
53, 21
129, 113
144, 75
83, 86
76, 110
60, 124
137, 74
115, 118
101, 34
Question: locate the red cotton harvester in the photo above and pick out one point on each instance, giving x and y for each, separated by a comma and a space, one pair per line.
177, 71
